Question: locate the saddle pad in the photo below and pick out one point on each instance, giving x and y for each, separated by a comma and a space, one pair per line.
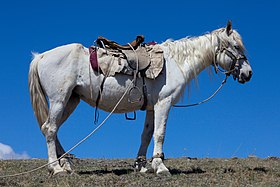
110, 62
157, 61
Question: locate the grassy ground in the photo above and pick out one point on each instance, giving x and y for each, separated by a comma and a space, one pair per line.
119, 172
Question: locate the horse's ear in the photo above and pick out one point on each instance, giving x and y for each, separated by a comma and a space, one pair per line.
229, 28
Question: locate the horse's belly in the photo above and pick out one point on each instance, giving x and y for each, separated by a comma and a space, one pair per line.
120, 94
119, 103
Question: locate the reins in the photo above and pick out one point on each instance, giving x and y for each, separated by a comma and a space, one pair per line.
205, 100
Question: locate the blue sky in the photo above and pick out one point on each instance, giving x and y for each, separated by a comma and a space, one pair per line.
241, 120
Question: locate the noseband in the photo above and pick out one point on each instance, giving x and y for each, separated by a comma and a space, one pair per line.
235, 57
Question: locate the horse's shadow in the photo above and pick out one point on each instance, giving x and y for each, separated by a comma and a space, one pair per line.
195, 170
105, 171
120, 172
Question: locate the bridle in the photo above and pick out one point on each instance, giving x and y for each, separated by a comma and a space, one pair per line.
235, 57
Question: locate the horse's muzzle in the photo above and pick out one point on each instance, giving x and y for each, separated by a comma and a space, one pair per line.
245, 77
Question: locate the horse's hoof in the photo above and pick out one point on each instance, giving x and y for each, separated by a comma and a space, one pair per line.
140, 164
62, 173
58, 172
143, 170
164, 173
67, 168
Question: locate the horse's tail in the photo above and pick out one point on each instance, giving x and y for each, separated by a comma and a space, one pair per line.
37, 95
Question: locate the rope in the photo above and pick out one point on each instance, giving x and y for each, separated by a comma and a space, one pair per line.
136, 71
205, 100
79, 143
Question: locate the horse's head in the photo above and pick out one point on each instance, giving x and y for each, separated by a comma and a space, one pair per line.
230, 54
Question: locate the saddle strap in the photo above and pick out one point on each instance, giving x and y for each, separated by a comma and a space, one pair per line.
144, 92
96, 113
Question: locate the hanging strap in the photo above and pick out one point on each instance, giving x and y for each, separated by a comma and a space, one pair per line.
96, 113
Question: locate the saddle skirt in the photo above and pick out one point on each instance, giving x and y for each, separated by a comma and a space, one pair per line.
148, 58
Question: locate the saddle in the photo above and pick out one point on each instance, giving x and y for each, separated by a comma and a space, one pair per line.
104, 42
136, 55
136, 59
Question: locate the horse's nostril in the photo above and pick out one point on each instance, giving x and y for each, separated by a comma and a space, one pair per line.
250, 74
247, 77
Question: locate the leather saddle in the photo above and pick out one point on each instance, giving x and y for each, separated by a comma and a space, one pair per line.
104, 42
135, 53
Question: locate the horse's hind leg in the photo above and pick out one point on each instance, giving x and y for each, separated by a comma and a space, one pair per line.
57, 114
64, 162
49, 129
70, 107
140, 163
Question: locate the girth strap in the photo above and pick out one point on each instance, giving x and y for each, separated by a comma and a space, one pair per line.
144, 88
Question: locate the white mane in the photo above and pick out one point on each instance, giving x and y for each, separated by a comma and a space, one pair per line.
184, 52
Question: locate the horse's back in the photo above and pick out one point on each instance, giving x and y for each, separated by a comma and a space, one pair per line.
62, 51
61, 55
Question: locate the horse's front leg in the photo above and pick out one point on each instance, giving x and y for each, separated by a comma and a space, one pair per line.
140, 163
161, 114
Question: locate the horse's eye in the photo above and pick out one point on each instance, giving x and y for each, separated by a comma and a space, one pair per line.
237, 47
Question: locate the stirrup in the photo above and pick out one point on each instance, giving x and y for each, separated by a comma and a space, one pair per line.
129, 118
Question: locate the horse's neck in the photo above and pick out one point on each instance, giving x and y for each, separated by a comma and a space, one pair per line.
193, 55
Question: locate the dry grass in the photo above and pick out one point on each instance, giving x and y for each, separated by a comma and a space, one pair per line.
119, 172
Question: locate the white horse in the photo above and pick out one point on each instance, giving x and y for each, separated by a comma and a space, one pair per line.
59, 78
